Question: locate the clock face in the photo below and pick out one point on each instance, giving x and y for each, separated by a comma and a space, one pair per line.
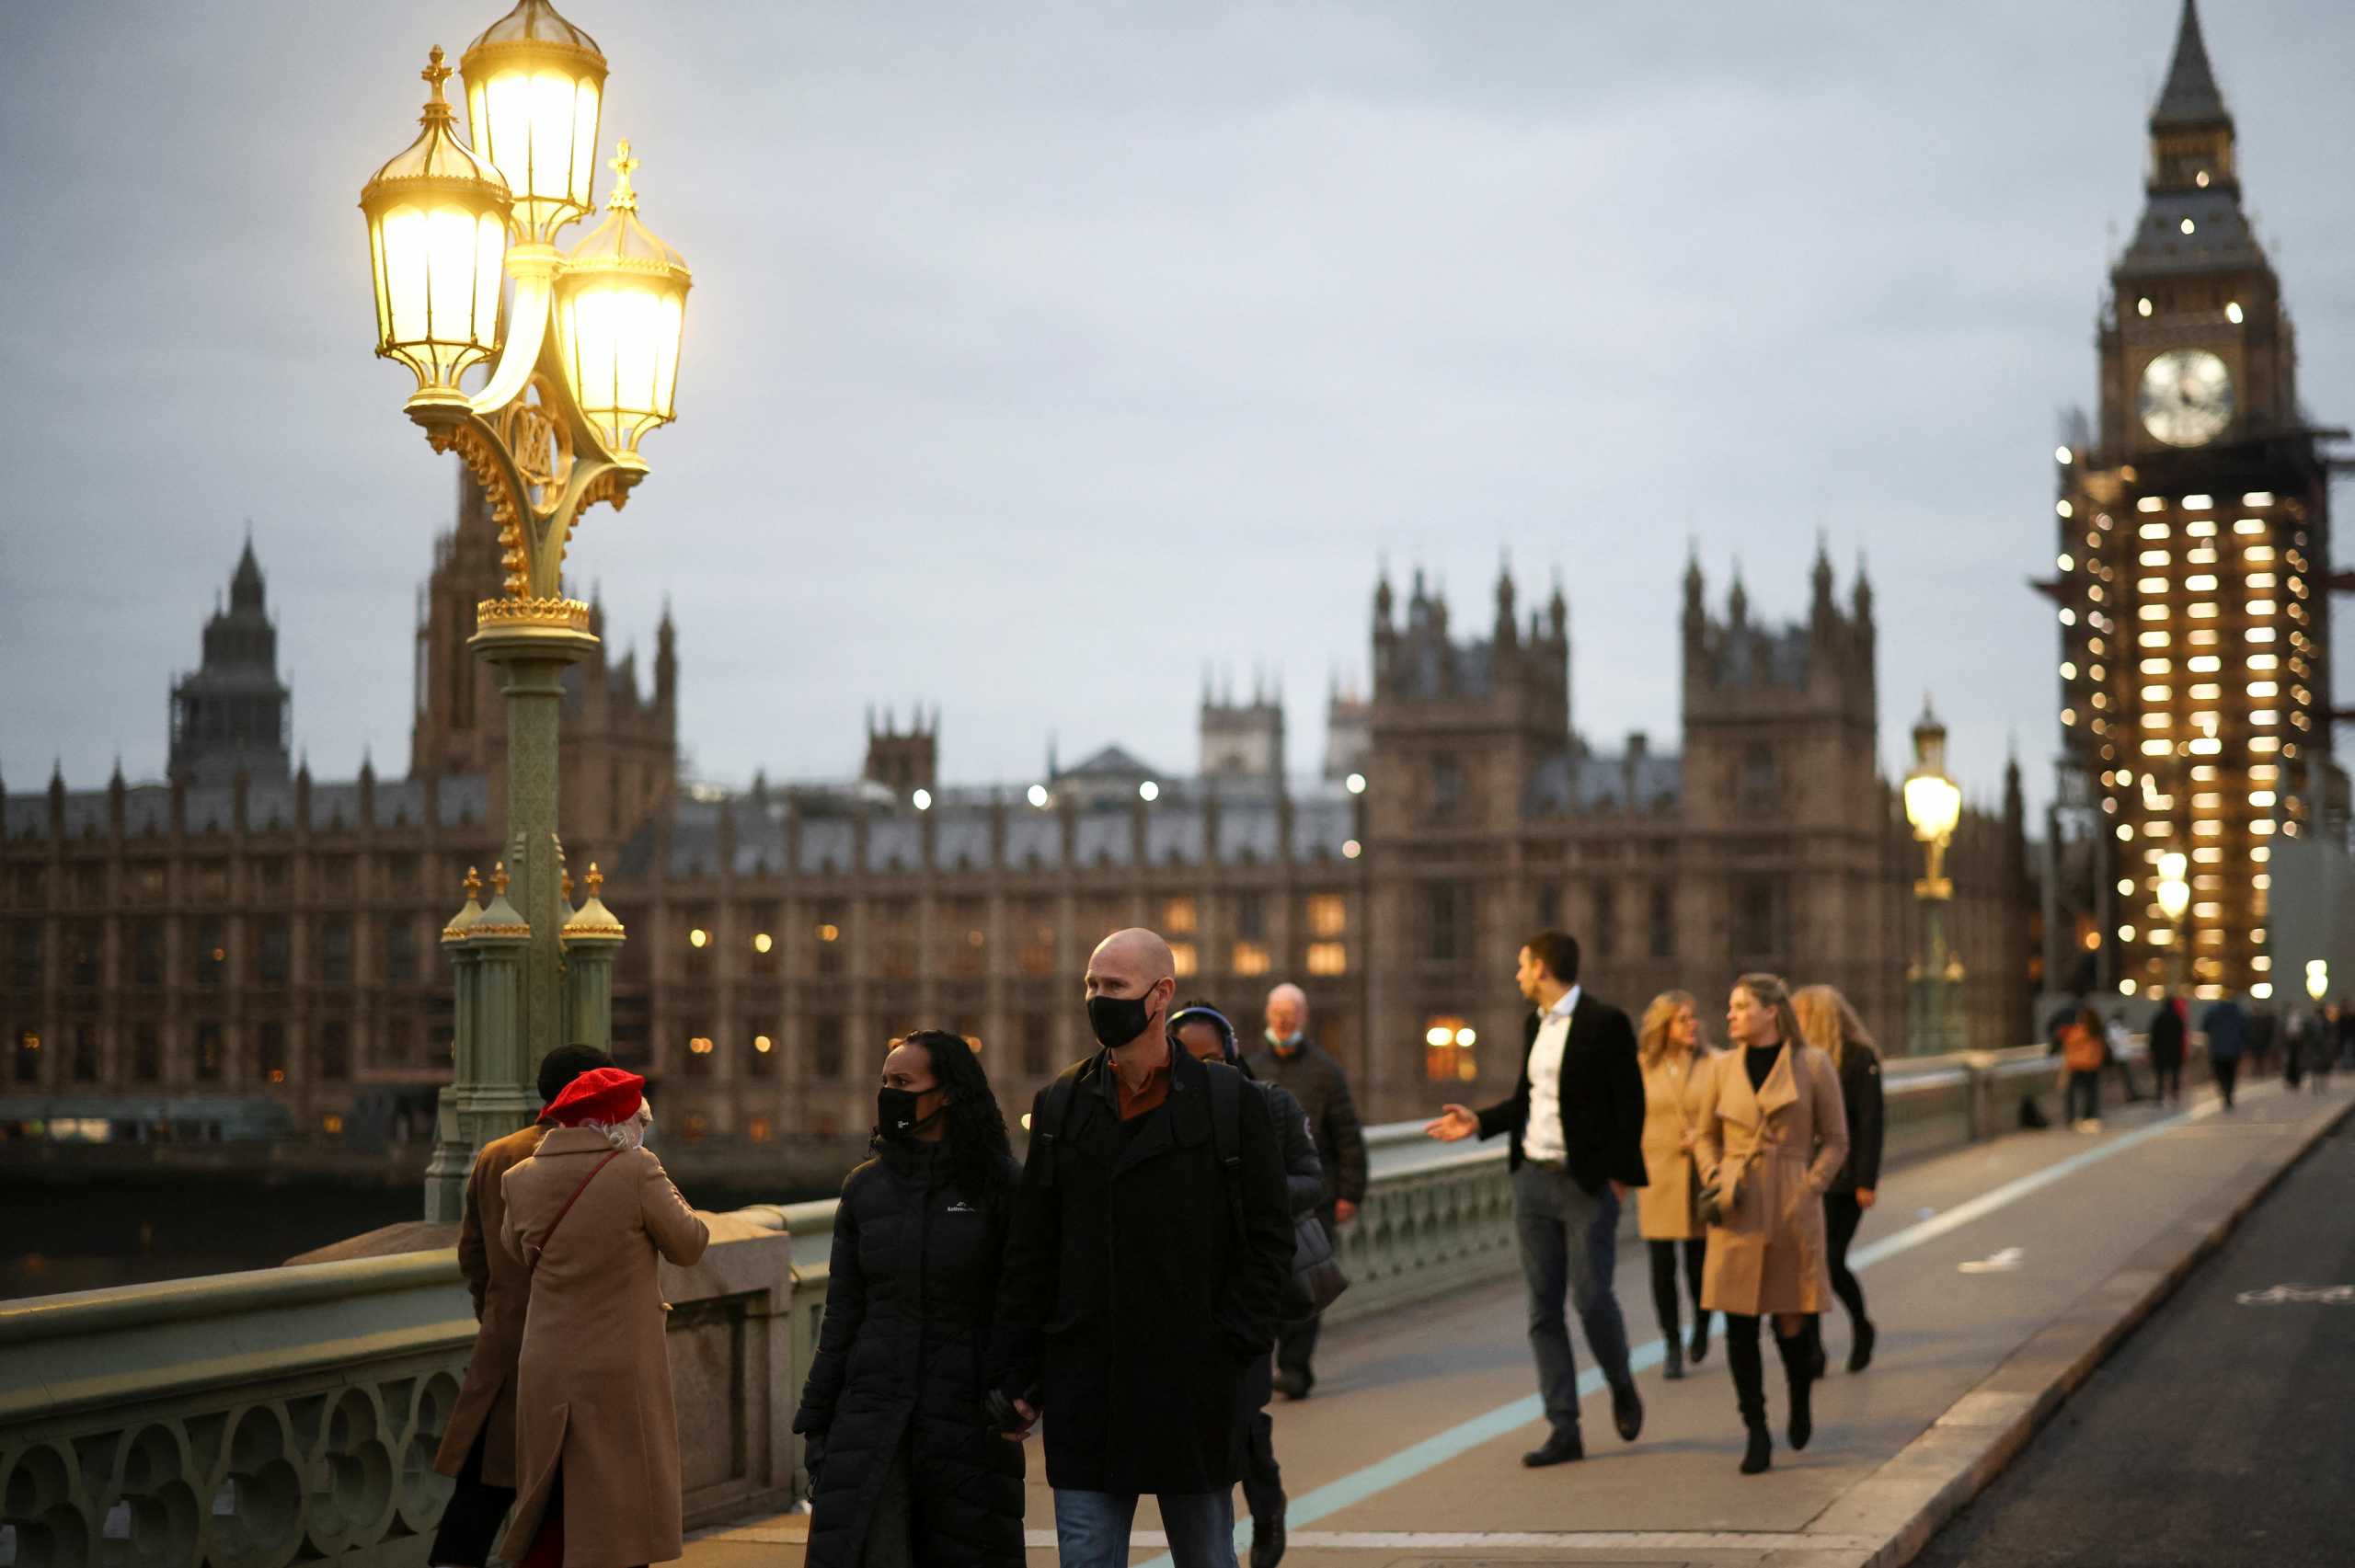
2186, 397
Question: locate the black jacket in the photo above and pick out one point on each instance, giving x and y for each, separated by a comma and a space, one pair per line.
1860, 1089
903, 1352
1316, 1080
1304, 1171
1131, 1306
2166, 1036
1603, 1098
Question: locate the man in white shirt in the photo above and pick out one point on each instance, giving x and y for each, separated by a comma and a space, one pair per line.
1576, 1120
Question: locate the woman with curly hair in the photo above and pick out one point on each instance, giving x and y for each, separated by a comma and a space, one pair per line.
905, 1466
1675, 1060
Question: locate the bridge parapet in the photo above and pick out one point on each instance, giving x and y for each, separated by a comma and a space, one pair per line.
256, 1420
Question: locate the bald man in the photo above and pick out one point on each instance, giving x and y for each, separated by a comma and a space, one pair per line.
1142, 1273
1311, 1076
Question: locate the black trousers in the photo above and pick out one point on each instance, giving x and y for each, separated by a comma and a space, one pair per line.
1663, 1260
1841, 1215
2228, 1072
470, 1520
2168, 1078
1263, 1482
2085, 1087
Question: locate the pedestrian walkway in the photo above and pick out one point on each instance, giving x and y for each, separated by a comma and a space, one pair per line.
1410, 1452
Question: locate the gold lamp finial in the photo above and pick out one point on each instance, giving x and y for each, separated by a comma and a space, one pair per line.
499, 877
622, 200
474, 883
435, 74
568, 886
596, 879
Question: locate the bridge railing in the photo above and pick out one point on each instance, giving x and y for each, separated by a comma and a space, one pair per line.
257, 1420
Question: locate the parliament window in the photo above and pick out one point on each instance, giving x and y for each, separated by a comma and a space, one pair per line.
1250, 958
209, 1051
826, 1046
1606, 921
1759, 915
335, 1051
1446, 919
146, 1055
269, 1053
1328, 958
400, 949
148, 953
334, 950
271, 958
1328, 914
1663, 920
1177, 917
1038, 1045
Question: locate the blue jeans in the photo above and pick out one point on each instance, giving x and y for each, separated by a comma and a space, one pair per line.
1092, 1528
1569, 1241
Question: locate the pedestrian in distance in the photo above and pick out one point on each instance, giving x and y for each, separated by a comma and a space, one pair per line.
1310, 1074
2226, 1026
2166, 1036
597, 1436
1830, 1024
906, 1468
1143, 1273
1772, 1136
1204, 1033
479, 1445
1575, 1124
2082, 1046
1676, 1062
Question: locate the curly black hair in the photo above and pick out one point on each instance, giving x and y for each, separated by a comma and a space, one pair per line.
979, 1152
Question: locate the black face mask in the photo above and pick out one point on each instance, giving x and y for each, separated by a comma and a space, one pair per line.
1117, 1019
895, 1113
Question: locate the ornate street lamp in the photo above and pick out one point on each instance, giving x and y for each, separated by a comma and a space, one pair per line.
587, 356
1933, 805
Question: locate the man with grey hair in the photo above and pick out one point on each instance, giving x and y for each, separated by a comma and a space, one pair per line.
1145, 1263
1308, 1072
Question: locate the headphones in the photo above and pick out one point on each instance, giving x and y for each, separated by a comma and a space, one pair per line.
1201, 1013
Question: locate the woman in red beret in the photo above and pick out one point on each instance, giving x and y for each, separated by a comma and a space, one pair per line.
596, 1436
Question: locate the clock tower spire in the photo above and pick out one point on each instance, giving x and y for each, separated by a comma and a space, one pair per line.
2193, 541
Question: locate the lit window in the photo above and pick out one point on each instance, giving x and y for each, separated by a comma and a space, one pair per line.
2148, 611
1250, 958
2204, 773
2258, 499
2157, 665
2267, 717
2261, 854
2200, 582
2206, 692
2158, 721
2258, 580
2204, 610
1328, 958
2150, 585
2260, 633
2261, 881
2153, 558
2260, 797
2152, 639
2264, 661
2260, 607
1184, 962
2203, 529
2206, 746
2248, 525
2264, 772
2206, 802
2265, 743
2262, 826
2206, 829
2157, 693
2202, 639
1329, 915
2157, 748
2232, 307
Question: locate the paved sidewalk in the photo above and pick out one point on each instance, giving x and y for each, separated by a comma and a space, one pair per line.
2005, 1264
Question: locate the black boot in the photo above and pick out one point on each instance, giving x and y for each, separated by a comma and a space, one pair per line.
1799, 1356
1860, 1354
1749, 1393
1673, 1366
1701, 1339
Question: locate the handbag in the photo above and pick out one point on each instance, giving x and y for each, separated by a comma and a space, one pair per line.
1717, 1205
1317, 1278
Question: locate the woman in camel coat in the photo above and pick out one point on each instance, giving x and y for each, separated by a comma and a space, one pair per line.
1771, 1135
1675, 1062
597, 1439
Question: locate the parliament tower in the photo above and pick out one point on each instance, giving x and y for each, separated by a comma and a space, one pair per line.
2193, 541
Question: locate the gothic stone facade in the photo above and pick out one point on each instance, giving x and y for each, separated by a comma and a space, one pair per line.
274, 943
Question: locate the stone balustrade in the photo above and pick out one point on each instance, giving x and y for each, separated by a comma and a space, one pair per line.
257, 1420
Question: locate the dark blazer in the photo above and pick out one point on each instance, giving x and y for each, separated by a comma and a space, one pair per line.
1130, 1307
1860, 1090
1603, 1098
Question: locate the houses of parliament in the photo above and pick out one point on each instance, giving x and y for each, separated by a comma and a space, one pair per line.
245, 934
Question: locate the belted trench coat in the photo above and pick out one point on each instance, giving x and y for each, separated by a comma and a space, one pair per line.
1782, 1143
1674, 1087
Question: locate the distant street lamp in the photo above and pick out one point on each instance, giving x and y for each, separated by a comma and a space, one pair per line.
2175, 898
1933, 805
461, 250
2317, 978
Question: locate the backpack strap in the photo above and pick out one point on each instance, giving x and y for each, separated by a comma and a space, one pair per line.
1226, 1132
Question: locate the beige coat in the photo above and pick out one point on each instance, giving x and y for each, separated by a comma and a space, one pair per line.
501, 1289
1783, 1144
1674, 1088
594, 1394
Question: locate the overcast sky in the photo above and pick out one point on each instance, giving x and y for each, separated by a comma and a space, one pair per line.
1039, 354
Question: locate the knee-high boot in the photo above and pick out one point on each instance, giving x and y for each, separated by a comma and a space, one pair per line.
1749, 1368
1802, 1360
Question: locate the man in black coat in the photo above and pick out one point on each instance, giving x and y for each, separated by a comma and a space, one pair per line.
1142, 1273
1575, 1119
1308, 1072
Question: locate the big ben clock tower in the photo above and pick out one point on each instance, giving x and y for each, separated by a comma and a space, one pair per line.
2193, 549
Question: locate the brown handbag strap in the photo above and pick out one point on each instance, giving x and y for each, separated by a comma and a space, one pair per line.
550, 1235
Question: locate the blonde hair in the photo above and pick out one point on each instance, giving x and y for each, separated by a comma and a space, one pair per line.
1828, 1021
1659, 1018
1773, 993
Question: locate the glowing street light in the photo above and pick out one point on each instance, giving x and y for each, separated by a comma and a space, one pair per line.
583, 351
1933, 807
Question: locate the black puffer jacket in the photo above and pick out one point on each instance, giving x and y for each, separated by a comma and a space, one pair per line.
1860, 1089
908, 1315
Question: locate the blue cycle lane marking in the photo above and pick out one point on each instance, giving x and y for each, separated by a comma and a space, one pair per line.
1437, 1449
